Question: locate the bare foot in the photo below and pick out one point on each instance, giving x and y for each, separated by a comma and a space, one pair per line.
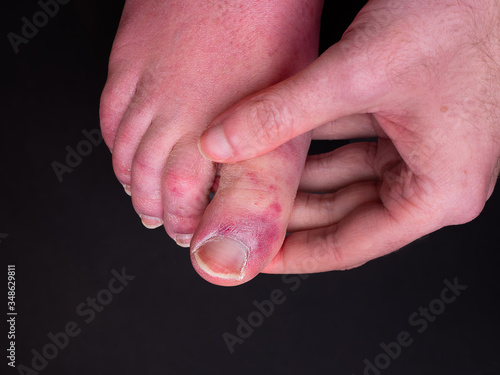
173, 67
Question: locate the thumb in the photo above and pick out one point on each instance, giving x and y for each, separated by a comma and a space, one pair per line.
331, 87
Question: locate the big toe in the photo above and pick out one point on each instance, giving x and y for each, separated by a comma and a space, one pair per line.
244, 226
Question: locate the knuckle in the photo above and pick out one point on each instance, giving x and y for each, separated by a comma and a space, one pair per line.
328, 204
370, 153
464, 204
323, 162
469, 208
334, 251
272, 122
322, 255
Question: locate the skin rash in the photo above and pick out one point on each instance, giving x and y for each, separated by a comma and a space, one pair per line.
259, 220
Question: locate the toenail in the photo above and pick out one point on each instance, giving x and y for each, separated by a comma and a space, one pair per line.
183, 240
151, 222
222, 257
127, 189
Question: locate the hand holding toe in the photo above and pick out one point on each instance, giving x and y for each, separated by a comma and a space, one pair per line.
428, 91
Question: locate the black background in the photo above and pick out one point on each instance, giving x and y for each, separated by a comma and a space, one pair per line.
66, 237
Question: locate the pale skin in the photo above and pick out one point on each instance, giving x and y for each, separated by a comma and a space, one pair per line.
424, 77
174, 66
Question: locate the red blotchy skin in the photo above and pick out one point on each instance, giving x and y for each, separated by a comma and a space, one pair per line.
252, 176
252, 205
275, 207
261, 233
176, 191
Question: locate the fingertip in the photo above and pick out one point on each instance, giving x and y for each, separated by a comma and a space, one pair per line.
214, 146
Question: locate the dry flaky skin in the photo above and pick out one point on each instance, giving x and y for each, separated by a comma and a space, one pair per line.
174, 66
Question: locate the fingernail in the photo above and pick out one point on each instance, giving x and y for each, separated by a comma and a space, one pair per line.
127, 189
183, 240
213, 144
222, 257
151, 222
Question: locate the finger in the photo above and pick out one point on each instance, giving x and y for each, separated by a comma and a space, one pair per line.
245, 224
329, 89
349, 127
341, 167
320, 210
367, 233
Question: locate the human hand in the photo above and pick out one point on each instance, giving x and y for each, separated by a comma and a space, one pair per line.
422, 76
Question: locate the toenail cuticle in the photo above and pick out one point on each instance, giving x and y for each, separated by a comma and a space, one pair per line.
151, 222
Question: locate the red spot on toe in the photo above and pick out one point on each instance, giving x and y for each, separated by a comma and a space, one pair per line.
275, 208
253, 177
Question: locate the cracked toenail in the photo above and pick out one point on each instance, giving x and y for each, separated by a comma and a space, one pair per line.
151, 222
183, 240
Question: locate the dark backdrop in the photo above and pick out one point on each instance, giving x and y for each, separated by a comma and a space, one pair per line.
66, 238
